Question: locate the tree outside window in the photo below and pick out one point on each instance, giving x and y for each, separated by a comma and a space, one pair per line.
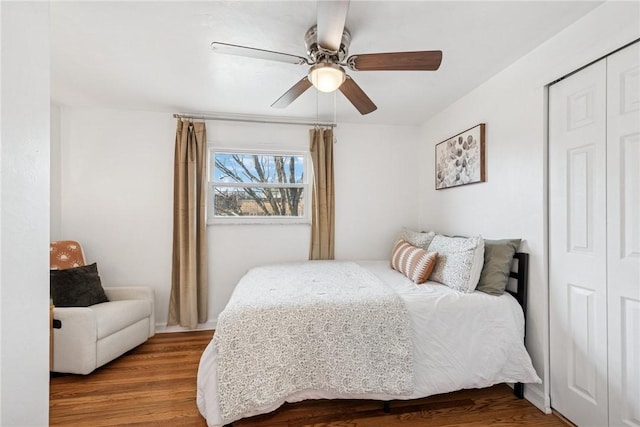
257, 184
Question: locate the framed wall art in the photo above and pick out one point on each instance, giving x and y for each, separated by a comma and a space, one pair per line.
460, 159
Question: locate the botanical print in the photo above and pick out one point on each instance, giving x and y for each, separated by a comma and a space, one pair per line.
460, 160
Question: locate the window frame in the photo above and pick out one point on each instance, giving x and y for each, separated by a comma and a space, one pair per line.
212, 219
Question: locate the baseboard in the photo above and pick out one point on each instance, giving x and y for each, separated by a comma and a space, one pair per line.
164, 329
534, 393
563, 419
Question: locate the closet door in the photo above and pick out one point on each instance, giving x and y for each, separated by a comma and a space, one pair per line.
623, 194
577, 246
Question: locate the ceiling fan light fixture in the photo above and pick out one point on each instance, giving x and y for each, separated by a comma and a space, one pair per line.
326, 76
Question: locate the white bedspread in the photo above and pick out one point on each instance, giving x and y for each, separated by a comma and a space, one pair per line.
330, 326
458, 341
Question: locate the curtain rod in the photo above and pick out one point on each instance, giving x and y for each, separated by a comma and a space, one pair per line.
251, 120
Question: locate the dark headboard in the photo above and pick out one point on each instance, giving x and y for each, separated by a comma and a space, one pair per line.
520, 294
522, 279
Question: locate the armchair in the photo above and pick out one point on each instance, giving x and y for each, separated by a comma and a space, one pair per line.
92, 336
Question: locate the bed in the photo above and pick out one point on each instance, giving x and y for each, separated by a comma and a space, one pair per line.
392, 339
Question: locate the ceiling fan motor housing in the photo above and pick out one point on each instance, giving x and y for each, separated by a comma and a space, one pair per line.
319, 54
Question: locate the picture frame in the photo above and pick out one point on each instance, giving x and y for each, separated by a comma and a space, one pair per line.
459, 160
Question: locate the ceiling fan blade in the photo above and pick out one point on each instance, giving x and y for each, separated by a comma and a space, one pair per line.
332, 16
251, 52
357, 97
428, 60
293, 93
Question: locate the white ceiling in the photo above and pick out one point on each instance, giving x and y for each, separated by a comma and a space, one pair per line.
156, 55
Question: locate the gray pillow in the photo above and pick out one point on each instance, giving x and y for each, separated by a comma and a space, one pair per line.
498, 255
76, 287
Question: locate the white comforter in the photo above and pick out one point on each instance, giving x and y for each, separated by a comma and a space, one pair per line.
459, 341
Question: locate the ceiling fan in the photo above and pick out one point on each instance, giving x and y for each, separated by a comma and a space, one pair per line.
327, 50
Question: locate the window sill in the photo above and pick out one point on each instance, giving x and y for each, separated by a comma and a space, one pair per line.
258, 221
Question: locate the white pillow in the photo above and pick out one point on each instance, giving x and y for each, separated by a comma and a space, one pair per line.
416, 238
459, 263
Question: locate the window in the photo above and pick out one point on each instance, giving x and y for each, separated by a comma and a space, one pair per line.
257, 186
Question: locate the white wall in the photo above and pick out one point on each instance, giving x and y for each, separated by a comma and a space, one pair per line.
512, 203
117, 195
376, 185
55, 185
24, 214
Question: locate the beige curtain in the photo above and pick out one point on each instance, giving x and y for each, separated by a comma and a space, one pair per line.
188, 303
323, 198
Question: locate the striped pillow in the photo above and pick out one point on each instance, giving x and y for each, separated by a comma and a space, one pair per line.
415, 263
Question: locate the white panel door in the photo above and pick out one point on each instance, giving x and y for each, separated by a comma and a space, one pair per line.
623, 236
577, 246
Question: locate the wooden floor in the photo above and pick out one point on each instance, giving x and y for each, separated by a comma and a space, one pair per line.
155, 385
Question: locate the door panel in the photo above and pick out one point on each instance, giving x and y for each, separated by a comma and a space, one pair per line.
623, 272
577, 246
580, 187
583, 377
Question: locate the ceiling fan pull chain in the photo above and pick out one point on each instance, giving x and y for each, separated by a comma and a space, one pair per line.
335, 112
317, 109
335, 115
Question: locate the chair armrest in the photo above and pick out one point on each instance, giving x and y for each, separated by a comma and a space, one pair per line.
75, 341
82, 319
119, 293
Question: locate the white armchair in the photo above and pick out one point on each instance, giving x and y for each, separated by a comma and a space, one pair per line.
89, 337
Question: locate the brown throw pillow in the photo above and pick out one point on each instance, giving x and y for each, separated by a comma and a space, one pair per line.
415, 263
